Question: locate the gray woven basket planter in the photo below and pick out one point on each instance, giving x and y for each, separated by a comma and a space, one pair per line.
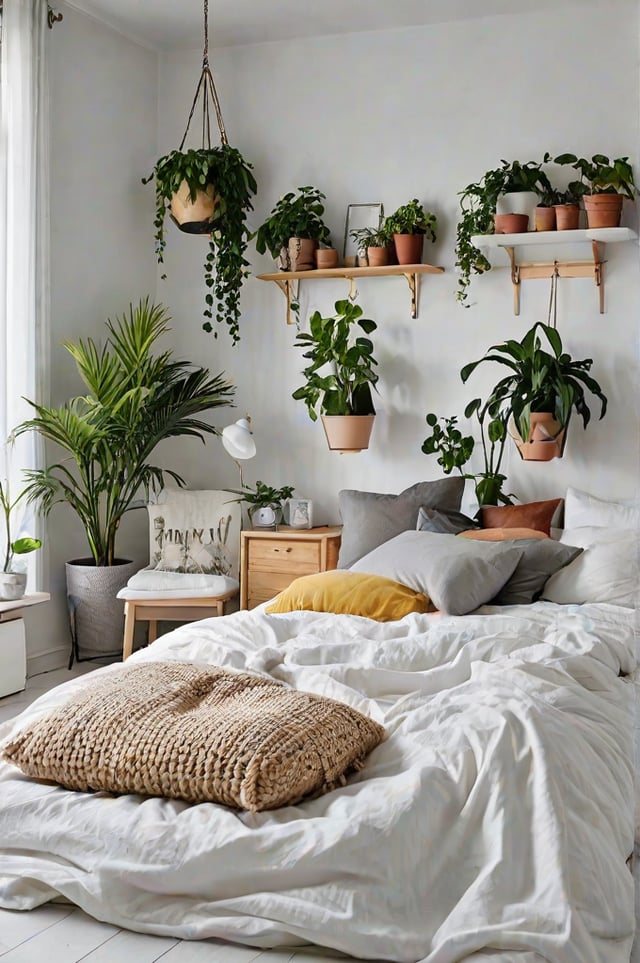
96, 615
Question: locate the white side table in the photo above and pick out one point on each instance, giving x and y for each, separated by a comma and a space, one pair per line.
13, 650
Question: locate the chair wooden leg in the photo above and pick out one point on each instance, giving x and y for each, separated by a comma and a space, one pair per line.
129, 625
153, 630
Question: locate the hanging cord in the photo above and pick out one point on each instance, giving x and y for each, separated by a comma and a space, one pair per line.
207, 87
552, 316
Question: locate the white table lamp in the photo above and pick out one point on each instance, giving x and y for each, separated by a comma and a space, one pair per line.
238, 442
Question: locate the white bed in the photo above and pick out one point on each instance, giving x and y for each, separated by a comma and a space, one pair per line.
495, 821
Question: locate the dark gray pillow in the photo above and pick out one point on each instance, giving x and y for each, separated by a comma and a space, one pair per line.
369, 519
457, 574
542, 558
443, 523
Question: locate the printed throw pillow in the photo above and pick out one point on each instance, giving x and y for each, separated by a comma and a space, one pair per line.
538, 515
350, 593
457, 574
195, 532
369, 518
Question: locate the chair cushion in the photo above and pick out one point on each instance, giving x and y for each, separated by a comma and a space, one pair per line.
154, 583
202, 734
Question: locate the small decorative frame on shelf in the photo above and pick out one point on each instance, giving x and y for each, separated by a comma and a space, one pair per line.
592, 267
358, 217
411, 273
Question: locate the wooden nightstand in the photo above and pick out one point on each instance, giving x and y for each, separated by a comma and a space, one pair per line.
269, 560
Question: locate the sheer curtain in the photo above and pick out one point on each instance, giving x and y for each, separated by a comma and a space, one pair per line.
24, 234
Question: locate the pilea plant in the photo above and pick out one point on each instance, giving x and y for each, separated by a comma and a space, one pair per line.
600, 175
333, 343
225, 266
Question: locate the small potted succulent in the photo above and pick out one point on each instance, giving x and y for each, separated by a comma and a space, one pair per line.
209, 191
266, 504
340, 375
294, 229
603, 185
13, 581
409, 225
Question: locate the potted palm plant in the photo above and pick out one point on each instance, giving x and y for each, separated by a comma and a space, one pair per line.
409, 225
136, 397
294, 229
541, 390
209, 191
340, 375
603, 185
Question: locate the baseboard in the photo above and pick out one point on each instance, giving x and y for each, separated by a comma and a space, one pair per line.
48, 660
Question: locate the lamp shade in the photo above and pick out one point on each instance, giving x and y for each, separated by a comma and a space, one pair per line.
238, 440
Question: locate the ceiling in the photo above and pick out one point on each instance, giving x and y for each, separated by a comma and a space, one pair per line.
172, 24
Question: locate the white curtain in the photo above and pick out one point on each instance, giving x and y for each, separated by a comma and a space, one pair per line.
24, 231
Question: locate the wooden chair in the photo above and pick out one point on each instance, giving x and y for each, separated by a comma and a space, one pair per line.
194, 539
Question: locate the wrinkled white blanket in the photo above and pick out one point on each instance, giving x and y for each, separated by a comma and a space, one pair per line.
493, 823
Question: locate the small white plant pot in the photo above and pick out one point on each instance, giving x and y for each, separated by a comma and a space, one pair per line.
13, 585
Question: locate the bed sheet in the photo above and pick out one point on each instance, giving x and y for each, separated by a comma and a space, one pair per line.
494, 822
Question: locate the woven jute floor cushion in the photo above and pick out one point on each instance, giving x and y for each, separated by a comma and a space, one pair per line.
202, 734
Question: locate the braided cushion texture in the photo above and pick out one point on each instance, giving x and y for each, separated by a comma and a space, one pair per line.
200, 734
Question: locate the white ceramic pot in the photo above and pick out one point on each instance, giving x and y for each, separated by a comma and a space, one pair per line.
519, 202
13, 585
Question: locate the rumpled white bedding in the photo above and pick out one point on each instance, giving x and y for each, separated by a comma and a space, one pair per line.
493, 824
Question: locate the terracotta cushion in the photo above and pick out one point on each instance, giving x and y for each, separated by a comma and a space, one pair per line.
501, 534
537, 515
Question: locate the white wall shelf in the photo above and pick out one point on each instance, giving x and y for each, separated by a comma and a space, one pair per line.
411, 273
588, 267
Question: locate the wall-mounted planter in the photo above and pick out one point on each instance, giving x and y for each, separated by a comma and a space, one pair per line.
546, 438
348, 433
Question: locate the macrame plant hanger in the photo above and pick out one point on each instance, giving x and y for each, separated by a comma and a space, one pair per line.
206, 90
552, 314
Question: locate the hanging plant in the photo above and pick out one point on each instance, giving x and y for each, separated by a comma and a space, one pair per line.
208, 190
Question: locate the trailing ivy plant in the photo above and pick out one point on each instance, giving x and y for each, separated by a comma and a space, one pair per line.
478, 202
225, 266
333, 343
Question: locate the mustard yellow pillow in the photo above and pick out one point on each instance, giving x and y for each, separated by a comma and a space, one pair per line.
350, 593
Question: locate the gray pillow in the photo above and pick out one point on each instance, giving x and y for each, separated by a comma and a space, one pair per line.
542, 558
458, 574
444, 523
369, 519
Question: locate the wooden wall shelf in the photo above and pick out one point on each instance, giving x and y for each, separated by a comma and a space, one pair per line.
588, 267
411, 272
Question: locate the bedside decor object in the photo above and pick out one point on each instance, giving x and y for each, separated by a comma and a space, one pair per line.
340, 376
265, 503
208, 190
299, 512
135, 397
237, 441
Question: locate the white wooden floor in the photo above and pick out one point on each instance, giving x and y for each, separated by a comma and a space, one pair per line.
65, 934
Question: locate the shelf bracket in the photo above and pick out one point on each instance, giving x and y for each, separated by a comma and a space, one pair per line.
562, 269
413, 280
290, 293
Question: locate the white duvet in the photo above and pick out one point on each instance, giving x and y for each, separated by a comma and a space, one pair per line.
493, 823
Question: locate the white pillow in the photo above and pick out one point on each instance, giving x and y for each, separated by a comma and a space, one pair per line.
607, 571
582, 509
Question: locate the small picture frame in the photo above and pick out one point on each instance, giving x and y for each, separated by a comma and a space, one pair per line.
359, 216
300, 512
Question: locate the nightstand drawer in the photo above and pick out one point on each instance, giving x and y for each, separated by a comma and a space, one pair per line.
295, 557
264, 585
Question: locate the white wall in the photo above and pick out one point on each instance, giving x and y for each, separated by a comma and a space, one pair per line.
385, 117
103, 140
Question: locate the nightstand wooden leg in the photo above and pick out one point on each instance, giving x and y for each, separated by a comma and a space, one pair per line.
129, 625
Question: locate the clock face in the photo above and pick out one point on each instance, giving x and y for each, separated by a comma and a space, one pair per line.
264, 517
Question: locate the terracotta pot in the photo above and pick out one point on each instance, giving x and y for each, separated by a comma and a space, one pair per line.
545, 219
546, 438
378, 256
603, 210
348, 433
326, 257
519, 202
302, 254
567, 217
511, 223
193, 217
409, 248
